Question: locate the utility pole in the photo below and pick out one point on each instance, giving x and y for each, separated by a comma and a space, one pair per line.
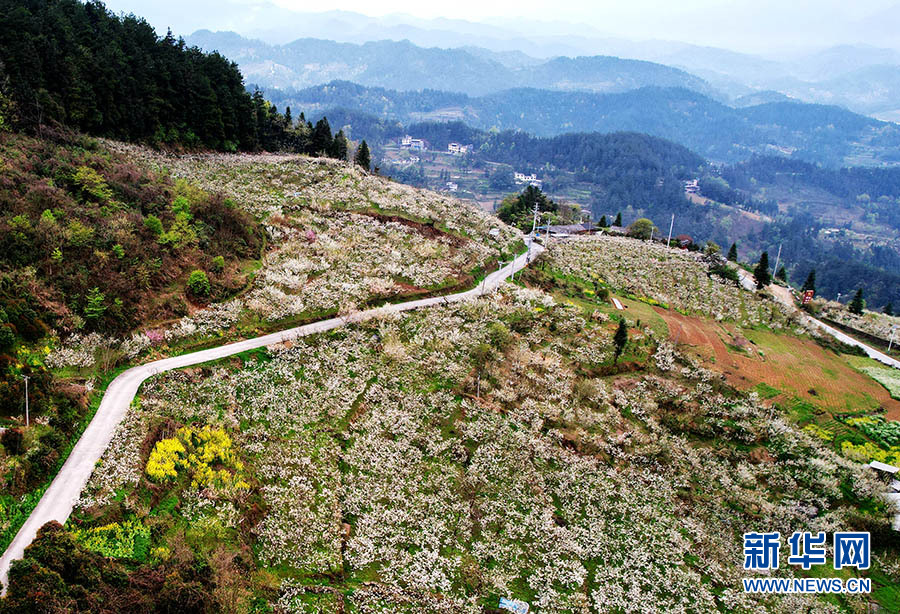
671, 226
27, 420
777, 258
531, 236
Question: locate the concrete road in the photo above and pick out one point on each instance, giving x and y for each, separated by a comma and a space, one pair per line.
783, 295
64, 491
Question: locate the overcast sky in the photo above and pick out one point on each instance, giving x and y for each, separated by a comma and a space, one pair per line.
760, 26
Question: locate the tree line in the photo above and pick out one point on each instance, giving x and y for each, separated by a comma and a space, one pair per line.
76, 64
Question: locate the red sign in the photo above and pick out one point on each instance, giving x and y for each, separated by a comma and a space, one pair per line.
808, 296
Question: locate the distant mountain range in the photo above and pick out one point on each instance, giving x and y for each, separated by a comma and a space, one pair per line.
404, 66
817, 133
864, 79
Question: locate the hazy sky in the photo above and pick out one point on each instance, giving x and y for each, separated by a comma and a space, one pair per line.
749, 25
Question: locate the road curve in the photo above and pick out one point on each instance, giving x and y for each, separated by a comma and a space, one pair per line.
749, 283
65, 489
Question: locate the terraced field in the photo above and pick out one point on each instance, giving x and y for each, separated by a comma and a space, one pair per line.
798, 367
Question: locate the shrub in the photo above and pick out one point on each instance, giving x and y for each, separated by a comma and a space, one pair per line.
7, 336
12, 441
641, 229
91, 182
165, 459
198, 283
126, 540
218, 264
154, 224
725, 272
181, 207
79, 234
195, 450
499, 335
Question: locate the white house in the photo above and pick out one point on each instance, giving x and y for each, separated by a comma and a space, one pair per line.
458, 149
523, 178
406, 141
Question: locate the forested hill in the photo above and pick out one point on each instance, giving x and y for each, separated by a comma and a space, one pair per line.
816, 133
78, 64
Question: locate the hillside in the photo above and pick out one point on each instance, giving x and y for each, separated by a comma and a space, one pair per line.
496, 448
840, 221
819, 134
92, 246
106, 240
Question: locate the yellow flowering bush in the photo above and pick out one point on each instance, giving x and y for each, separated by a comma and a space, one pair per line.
125, 540
817, 431
869, 451
166, 458
206, 454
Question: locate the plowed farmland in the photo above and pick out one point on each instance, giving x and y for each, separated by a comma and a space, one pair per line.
797, 367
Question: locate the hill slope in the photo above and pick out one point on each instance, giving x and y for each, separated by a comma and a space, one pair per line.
821, 134
443, 459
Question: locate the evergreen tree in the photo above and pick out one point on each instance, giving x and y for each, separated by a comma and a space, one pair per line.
95, 305
321, 142
858, 303
518, 210
761, 272
889, 309
339, 146
781, 274
287, 117
732, 253
603, 223
363, 158
618, 221
810, 283
620, 339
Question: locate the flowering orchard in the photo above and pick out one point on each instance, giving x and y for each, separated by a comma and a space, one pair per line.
675, 278
439, 460
339, 239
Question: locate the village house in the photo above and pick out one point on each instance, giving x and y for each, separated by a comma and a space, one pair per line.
531, 179
458, 149
413, 144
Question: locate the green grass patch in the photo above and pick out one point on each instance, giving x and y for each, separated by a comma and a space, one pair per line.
765, 391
